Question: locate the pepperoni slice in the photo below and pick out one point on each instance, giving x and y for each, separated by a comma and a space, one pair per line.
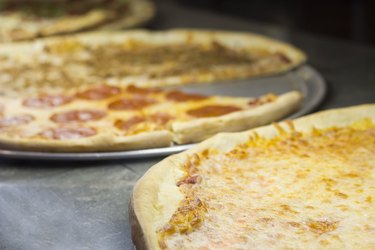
212, 110
47, 101
180, 96
15, 120
126, 125
160, 118
131, 103
84, 115
68, 133
137, 90
99, 92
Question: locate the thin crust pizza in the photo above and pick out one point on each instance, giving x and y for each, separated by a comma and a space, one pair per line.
110, 118
144, 58
302, 184
25, 20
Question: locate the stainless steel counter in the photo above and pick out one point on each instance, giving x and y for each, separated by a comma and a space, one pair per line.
67, 205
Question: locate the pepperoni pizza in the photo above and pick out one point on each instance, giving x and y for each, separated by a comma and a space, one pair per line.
110, 118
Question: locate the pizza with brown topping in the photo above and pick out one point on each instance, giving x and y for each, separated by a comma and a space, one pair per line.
110, 118
144, 58
302, 184
29, 19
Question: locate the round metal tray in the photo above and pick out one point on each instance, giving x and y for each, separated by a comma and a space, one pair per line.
304, 79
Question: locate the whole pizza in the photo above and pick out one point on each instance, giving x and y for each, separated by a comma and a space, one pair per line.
302, 184
142, 58
29, 19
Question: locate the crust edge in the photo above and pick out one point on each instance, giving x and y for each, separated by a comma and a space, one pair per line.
198, 130
101, 142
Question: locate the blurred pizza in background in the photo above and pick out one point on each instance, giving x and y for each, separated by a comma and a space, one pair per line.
29, 19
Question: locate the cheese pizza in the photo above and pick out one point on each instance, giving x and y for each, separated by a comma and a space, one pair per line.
25, 20
110, 118
144, 58
302, 184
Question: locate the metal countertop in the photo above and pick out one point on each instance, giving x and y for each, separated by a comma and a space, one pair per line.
41, 202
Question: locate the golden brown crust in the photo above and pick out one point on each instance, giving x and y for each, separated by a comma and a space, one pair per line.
200, 129
137, 235
99, 142
153, 210
144, 200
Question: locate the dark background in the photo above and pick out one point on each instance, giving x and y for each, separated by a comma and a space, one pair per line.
352, 20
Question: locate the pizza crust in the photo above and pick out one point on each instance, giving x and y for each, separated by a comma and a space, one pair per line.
100, 142
200, 129
152, 203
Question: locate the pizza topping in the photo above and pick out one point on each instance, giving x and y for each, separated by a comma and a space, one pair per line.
284, 190
47, 101
180, 96
164, 60
263, 100
84, 115
15, 120
160, 118
131, 103
190, 180
143, 91
115, 61
156, 121
188, 216
63, 133
126, 125
99, 93
213, 110
322, 226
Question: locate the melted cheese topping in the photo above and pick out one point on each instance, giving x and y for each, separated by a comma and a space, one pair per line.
295, 191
